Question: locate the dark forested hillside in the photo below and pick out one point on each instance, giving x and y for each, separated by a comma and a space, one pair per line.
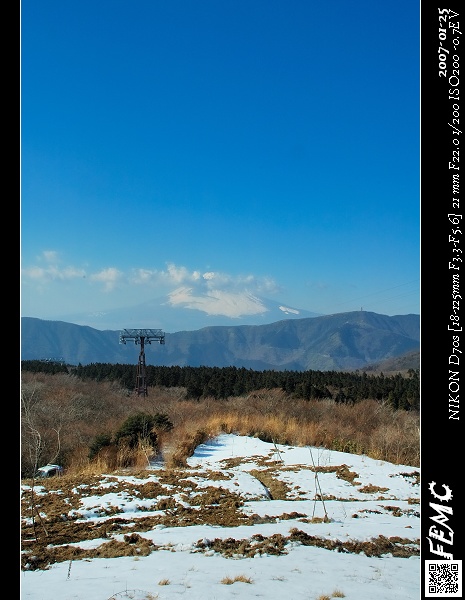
397, 391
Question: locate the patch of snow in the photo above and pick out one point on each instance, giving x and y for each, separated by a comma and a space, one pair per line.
288, 310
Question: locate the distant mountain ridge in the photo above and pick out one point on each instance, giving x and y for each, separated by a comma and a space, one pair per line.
343, 341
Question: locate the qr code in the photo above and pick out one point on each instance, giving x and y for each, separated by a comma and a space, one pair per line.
443, 578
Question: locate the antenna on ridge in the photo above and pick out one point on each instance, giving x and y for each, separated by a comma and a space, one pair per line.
142, 337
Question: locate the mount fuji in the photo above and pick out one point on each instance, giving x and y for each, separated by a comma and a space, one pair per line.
186, 309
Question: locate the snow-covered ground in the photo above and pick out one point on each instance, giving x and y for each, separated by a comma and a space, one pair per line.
295, 498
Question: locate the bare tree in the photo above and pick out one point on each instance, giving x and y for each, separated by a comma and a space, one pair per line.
33, 439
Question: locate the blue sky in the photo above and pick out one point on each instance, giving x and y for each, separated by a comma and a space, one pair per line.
220, 146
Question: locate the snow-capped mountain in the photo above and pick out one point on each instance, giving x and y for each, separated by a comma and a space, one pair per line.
185, 309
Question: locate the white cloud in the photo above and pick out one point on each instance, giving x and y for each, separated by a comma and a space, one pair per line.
36, 273
218, 302
172, 275
143, 276
50, 256
109, 277
178, 274
53, 273
203, 282
213, 292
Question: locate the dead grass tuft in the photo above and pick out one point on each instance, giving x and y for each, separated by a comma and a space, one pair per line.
371, 489
231, 580
278, 490
182, 448
344, 473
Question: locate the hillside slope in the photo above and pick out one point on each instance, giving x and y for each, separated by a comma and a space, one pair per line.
244, 521
397, 364
343, 341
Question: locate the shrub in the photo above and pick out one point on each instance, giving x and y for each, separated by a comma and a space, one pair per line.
103, 440
136, 428
162, 422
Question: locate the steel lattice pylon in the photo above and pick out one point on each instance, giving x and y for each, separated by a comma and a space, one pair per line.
142, 337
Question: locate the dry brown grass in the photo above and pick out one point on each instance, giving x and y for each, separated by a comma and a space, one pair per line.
47, 537
68, 413
231, 580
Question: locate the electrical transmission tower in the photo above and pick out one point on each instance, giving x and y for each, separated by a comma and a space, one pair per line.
142, 337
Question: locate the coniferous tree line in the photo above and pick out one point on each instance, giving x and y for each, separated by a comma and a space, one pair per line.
398, 391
